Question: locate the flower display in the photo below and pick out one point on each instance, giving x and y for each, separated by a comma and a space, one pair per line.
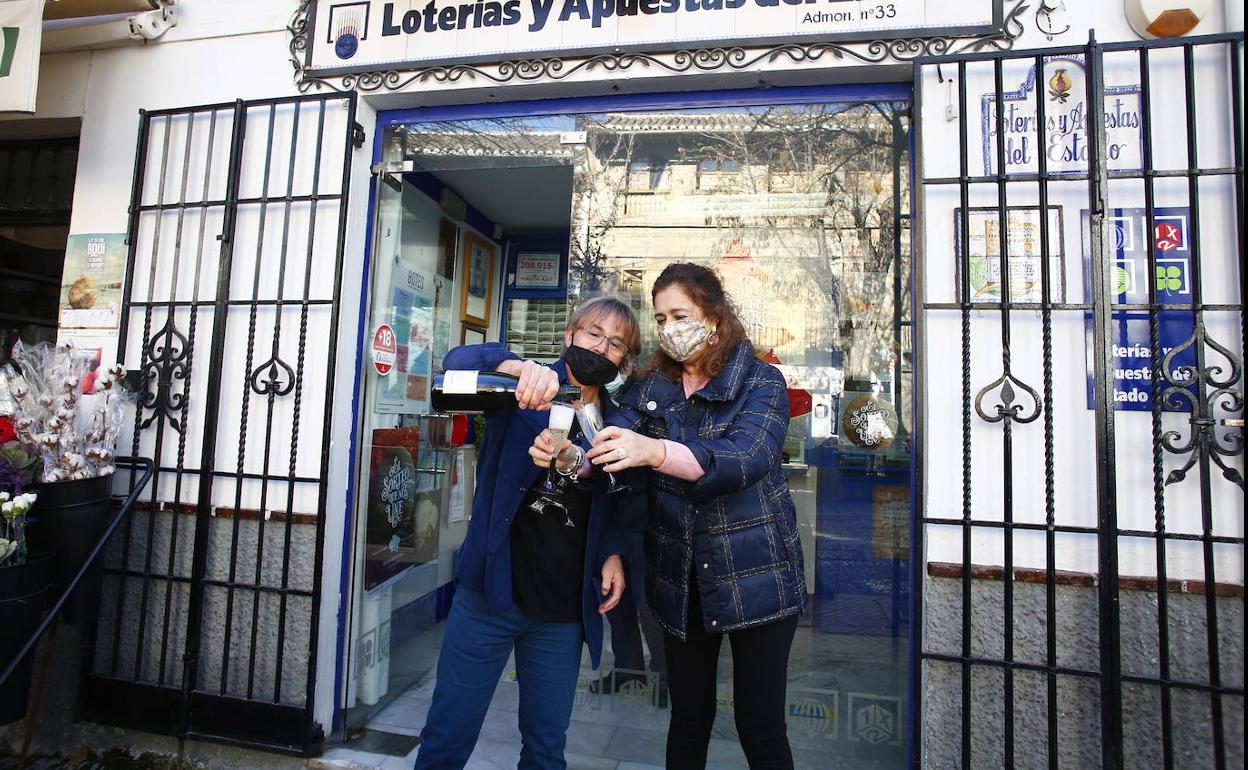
13, 512
75, 433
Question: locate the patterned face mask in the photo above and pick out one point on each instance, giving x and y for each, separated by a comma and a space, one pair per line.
683, 339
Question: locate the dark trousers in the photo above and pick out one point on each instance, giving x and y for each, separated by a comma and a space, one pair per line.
760, 660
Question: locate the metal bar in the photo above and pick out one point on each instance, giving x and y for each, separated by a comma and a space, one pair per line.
1159, 484
194, 613
1050, 507
1102, 361
271, 402
1203, 409
223, 106
1185, 685
1007, 435
208, 203
246, 303
132, 239
245, 417
147, 357
52, 614
327, 431
997, 523
963, 297
1039, 668
1080, 176
308, 260
1144, 306
222, 584
170, 325
180, 471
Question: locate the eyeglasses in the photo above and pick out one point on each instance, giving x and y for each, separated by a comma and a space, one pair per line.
596, 337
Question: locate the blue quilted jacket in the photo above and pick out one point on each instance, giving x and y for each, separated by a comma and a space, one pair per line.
733, 532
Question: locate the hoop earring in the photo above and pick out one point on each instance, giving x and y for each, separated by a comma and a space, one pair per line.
713, 337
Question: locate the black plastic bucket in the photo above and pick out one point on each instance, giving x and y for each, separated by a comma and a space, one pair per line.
21, 606
70, 517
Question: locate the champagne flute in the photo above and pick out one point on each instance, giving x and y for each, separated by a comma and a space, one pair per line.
560, 425
591, 423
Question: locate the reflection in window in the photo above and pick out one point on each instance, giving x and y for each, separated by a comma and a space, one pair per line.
718, 173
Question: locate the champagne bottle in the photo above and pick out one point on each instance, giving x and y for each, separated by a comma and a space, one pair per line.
470, 391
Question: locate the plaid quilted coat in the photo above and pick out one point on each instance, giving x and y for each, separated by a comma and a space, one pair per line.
732, 533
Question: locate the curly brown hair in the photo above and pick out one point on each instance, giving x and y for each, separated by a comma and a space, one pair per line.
707, 291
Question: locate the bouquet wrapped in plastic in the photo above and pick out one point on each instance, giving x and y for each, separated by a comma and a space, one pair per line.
74, 432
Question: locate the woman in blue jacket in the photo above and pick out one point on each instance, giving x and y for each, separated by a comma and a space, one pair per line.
722, 551
528, 578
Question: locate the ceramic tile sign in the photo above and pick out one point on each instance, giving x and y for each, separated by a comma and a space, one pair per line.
1063, 142
95, 267
1171, 276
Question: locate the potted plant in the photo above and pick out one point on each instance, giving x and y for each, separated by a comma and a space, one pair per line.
65, 410
23, 575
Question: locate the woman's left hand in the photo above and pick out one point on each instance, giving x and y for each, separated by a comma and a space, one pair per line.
616, 449
612, 583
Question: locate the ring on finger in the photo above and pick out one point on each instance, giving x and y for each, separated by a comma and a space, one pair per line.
620, 454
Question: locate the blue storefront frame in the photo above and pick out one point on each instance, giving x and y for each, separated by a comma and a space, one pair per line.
826, 94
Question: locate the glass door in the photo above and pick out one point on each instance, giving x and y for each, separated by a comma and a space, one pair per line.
802, 209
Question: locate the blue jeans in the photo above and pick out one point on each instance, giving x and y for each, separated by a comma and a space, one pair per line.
474, 652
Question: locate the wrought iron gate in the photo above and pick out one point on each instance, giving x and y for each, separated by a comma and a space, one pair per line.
230, 316
1082, 514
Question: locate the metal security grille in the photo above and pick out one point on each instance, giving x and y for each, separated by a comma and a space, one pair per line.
1081, 597
230, 317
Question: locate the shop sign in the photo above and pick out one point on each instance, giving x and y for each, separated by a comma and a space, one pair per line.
1062, 86
361, 35
1132, 367
21, 33
537, 271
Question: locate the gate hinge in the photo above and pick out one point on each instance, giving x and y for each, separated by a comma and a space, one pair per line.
391, 172
357, 135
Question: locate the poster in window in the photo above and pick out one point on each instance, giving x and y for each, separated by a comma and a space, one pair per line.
537, 270
95, 266
477, 280
1024, 247
404, 389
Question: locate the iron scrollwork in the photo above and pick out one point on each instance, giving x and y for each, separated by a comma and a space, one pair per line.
1007, 408
280, 379
166, 362
900, 50
1204, 389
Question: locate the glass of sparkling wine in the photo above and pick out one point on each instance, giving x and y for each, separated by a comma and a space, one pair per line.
591, 422
561, 416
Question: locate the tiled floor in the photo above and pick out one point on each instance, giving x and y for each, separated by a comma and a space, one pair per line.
846, 708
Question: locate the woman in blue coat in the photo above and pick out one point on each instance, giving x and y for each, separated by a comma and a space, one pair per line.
722, 551
530, 579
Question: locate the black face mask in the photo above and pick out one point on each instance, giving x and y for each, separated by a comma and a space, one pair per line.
588, 367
